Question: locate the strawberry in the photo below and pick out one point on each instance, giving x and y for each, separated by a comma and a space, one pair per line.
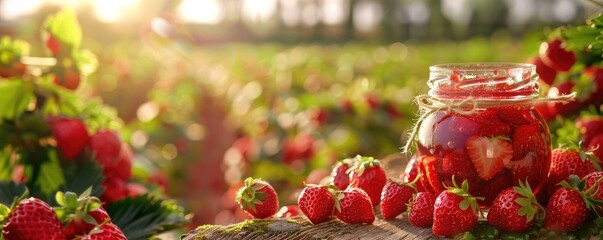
568, 207
78, 226
394, 198
420, 210
490, 125
70, 78
301, 147
71, 135
455, 211
123, 164
546, 73
106, 146
108, 231
554, 55
589, 127
135, 189
591, 183
160, 179
595, 74
531, 153
368, 175
489, 189
570, 160
32, 219
489, 155
411, 173
53, 44
339, 176
514, 209
353, 206
456, 163
245, 146
115, 189
428, 166
596, 146
257, 198
316, 202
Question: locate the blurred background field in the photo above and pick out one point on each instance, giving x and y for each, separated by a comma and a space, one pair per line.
211, 92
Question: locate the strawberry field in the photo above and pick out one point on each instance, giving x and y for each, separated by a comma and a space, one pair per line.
155, 133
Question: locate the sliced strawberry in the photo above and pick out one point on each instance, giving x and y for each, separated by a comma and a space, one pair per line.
489, 155
531, 154
428, 166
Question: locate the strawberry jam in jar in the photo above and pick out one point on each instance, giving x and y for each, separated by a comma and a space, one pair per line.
478, 123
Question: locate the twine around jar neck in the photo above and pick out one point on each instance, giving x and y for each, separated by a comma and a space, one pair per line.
469, 106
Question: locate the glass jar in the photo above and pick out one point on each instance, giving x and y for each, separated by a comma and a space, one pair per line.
478, 123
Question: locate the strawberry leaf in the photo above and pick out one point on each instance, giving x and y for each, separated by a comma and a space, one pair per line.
10, 190
145, 216
16, 96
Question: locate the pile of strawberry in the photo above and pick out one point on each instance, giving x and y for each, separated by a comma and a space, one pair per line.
357, 186
75, 218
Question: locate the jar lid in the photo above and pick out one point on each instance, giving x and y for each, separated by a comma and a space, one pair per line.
483, 81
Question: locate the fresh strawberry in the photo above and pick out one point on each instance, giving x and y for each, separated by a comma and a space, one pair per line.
257, 198
108, 231
420, 210
71, 135
514, 209
554, 55
78, 226
135, 189
394, 198
70, 78
489, 155
591, 185
411, 173
369, 175
455, 211
339, 176
115, 189
568, 207
546, 73
32, 219
316, 202
123, 164
595, 74
353, 206
300, 147
589, 127
106, 146
570, 160
531, 153
160, 179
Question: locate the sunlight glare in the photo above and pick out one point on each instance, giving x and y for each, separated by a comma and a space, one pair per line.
258, 10
113, 11
202, 12
12, 9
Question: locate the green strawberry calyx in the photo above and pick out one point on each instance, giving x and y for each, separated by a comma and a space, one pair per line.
587, 155
361, 163
72, 206
588, 195
529, 206
249, 195
469, 201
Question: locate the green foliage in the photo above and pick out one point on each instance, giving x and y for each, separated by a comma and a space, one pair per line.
79, 177
12, 50
65, 27
10, 190
16, 96
145, 215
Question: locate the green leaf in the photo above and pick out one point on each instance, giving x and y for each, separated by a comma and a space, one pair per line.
6, 166
65, 27
16, 95
51, 175
144, 216
71, 200
9, 190
86, 61
86, 176
60, 198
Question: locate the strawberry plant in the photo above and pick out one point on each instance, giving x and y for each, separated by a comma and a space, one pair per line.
53, 140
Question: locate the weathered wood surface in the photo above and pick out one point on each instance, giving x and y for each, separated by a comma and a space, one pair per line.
300, 228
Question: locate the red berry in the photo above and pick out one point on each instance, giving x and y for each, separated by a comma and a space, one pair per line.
546, 73
301, 147
455, 211
369, 176
591, 179
353, 206
70, 79
257, 198
106, 146
589, 127
596, 146
77, 226
115, 189
569, 161
596, 92
32, 219
71, 135
514, 209
108, 231
394, 198
421, 209
412, 172
554, 55
316, 202
160, 179
339, 176
53, 44
490, 125
531, 153
566, 211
